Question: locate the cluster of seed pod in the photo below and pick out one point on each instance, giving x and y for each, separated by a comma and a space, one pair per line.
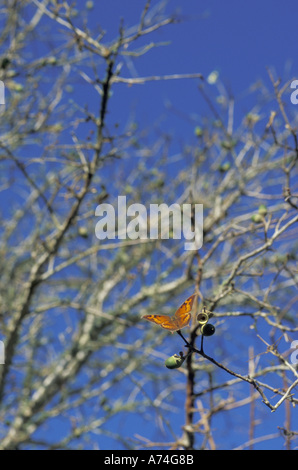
207, 329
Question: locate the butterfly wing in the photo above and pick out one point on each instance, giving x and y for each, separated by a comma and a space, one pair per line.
183, 314
163, 320
176, 322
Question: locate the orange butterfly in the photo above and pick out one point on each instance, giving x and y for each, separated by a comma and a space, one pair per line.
176, 322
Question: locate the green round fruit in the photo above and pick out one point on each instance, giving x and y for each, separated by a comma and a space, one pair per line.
257, 218
262, 210
174, 362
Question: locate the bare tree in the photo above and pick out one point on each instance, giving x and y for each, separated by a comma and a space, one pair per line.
78, 355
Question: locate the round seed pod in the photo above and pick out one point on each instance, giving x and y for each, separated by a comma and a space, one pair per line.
208, 329
202, 318
257, 218
174, 362
262, 210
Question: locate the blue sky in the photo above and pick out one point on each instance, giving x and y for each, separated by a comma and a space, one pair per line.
238, 39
